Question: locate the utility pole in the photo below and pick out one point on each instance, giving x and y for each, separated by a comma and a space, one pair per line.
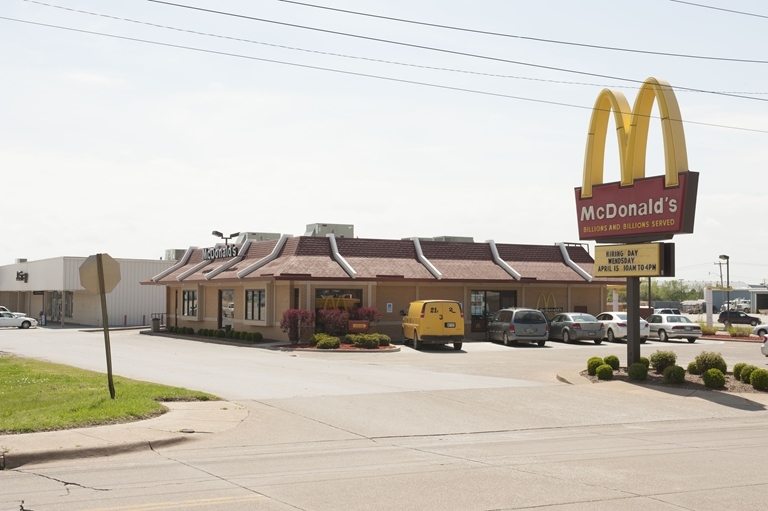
720, 264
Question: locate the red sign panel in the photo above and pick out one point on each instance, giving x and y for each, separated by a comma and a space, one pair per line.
643, 211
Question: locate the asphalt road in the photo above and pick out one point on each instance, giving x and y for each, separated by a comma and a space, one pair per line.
487, 428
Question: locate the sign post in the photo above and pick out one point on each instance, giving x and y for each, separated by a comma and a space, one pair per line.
100, 274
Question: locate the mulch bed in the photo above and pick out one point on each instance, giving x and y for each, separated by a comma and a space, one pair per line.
692, 382
343, 347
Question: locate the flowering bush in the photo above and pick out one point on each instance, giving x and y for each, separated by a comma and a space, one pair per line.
334, 321
296, 320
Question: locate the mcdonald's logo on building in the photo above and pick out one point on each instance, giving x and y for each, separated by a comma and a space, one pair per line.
636, 208
547, 303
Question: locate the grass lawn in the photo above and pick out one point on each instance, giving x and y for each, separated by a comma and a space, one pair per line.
41, 396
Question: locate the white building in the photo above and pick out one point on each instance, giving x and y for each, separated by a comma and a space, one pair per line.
52, 287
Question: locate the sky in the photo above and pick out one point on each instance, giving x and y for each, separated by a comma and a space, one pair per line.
129, 127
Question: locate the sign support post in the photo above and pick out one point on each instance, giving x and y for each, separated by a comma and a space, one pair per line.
633, 320
105, 323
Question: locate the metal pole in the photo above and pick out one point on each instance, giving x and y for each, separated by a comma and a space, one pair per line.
633, 320
728, 288
105, 323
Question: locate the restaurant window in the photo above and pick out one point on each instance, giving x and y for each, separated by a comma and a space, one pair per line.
189, 303
346, 299
255, 304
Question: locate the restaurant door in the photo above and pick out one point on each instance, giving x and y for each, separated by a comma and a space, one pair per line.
486, 303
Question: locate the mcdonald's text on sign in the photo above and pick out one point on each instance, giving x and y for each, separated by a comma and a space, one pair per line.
643, 260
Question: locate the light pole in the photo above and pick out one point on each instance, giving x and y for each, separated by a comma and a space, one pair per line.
727, 287
227, 238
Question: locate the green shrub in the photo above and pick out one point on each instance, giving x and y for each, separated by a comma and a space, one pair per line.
257, 337
714, 378
674, 374
645, 361
316, 339
737, 370
638, 371
593, 363
693, 368
328, 342
220, 334
201, 332
739, 331
663, 359
604, 372
707, 360
384, 340
759, 379
190, 331
707, 330
367, 341
349, 339
613, 361
243, 335
746, 372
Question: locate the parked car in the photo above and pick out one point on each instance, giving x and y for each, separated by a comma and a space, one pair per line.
733, 317
8, 319
433, 322
576, 326
6, 309
764, 347
512, 326
616, 326
673, 326
666, 311
760, 330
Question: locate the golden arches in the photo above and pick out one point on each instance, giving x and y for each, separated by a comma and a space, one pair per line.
545, 299
632, 134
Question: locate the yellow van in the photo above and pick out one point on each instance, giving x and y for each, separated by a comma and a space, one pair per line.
433, 322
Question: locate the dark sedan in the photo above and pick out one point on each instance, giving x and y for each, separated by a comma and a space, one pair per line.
576, 326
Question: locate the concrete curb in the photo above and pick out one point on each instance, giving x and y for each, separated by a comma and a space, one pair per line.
11, 460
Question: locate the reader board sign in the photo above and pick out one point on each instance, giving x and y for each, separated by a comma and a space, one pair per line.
642, 260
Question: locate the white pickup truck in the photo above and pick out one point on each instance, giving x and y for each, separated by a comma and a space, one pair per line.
6, 309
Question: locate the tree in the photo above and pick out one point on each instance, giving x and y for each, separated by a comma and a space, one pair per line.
295, 321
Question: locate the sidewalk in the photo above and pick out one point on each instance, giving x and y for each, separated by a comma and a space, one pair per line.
185, 421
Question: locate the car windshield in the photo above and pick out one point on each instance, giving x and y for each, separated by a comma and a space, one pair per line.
530, 318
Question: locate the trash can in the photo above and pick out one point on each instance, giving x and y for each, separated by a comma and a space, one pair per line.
42, 318
155, 324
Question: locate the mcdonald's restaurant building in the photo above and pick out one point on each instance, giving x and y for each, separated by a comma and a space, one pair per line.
249, 284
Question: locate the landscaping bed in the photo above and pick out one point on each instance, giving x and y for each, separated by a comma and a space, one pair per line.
692, 382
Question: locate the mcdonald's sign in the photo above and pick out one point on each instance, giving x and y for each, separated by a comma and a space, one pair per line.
544, 305
637, 208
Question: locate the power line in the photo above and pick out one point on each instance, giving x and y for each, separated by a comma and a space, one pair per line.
442, 50
342, 55
528, 38
720, 9
364, 75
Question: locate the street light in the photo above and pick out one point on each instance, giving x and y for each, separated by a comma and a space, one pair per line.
727, 260
225, 238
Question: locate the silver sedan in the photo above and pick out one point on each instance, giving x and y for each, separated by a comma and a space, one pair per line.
8, 319
576, 326
673, 326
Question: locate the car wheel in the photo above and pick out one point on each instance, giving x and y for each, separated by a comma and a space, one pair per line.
747, 310
402, 337
754, 322
691, 340
598, 341
663, 336
762, 332
611, 337
26, 324
505, 338
566, 337
416, 343
643, 339
457, 346
542, 343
